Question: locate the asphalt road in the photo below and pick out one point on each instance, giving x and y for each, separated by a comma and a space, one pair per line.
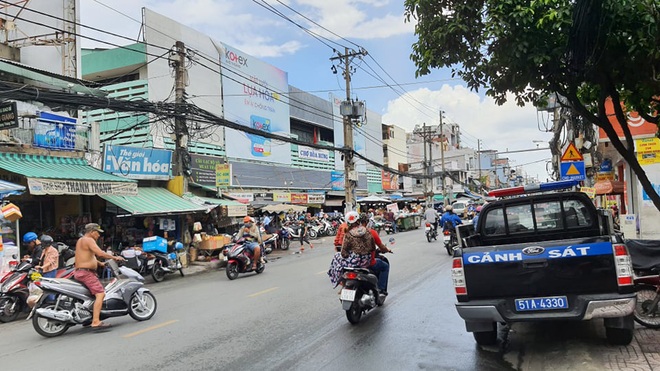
290, 318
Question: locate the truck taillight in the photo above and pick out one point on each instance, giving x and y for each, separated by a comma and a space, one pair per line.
458, 276
623, 265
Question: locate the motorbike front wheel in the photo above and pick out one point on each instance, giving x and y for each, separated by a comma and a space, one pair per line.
285, 244
10, 308
157, 271
48, 327
142, 309
644, 314
232, 271
312, 233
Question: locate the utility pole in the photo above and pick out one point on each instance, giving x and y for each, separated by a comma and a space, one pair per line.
479, 158
428, 134
426, 166
442, 160
350, 111
181, 156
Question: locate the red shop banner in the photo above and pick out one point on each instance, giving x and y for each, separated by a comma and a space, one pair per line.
299, 198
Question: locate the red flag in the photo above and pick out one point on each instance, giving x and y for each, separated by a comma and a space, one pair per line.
315, 139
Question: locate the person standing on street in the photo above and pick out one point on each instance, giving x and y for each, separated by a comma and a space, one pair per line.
304, 237
87, 250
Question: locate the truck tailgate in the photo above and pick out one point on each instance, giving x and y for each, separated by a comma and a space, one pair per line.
584, 266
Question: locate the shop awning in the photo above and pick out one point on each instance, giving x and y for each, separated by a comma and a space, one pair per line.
8, 189
155, 201
49, 175
234, 208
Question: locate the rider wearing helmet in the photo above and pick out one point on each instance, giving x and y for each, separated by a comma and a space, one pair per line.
34, 248
378, 266
476, 216
449, 218
359, 245
50, 257
251, 232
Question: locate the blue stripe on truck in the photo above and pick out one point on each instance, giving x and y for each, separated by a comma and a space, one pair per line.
554, 252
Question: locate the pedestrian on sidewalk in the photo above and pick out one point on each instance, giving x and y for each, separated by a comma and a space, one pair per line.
304, 237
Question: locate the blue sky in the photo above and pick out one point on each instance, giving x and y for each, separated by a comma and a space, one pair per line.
376, 25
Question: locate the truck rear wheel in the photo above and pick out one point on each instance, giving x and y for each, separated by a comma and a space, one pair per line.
486, 337
618, 336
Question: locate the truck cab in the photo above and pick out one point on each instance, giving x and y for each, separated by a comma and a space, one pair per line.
538, 256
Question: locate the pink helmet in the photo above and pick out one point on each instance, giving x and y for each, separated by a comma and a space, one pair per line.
479, 208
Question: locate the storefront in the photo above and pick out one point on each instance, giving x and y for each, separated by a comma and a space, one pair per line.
60, 197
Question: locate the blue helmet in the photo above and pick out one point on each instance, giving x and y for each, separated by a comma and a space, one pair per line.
29, 237
178, 246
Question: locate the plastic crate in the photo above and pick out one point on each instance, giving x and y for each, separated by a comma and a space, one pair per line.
155, 243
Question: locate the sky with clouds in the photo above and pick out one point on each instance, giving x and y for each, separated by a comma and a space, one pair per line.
378, 27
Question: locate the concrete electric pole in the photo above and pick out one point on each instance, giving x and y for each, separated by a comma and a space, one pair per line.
181, 156
350, 111
442, 160
428, 133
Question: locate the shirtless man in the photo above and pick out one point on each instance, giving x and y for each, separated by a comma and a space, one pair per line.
86, 265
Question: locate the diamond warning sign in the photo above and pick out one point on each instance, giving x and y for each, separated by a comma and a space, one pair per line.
572, 154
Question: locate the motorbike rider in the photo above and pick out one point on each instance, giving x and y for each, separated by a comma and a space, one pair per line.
251, 231
49, 258
378, 266
339, 237
431, 216
87, 250
476, 216
34, 247
449, 218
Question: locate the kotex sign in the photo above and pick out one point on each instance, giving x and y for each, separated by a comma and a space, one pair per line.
254, 96
137, 163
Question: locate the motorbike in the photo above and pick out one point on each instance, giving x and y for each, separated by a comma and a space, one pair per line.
135, 261
285, 238
125, 294
360, 292
431, 232
449, 238
239, 259
645, 256
15, 289
167, 263
388, 227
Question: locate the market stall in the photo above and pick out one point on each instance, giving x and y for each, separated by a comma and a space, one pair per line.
9, 226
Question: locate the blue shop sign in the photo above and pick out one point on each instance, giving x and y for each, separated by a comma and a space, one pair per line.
137, 163
55, 132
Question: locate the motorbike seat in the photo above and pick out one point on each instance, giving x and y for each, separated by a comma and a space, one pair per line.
645, 254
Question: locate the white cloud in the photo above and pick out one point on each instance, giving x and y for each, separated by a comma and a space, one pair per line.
506, 127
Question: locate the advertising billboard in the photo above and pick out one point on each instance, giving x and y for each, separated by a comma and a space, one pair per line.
55, 132
254, 96
137, 163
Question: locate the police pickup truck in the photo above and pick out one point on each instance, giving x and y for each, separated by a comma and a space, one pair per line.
548, 255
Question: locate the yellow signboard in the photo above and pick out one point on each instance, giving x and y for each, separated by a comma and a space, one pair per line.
648, 151
222, 175
590, 191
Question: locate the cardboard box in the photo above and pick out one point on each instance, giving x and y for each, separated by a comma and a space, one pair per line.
154, 243
11, 212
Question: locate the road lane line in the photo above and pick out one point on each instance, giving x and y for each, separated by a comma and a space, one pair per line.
322, 272
263, 292
136, 333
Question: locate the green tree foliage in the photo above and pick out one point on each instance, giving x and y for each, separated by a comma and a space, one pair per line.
585, 50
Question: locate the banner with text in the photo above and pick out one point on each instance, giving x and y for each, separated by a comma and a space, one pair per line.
80, 187
203, 169
308, 153
222, 175
137, 163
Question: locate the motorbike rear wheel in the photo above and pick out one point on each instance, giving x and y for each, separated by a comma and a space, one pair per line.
285, 244
354, 313
47, 327
260, 268
429, 237
643, 313
157, 271
312, 233
232, 271
142, 311
10, 308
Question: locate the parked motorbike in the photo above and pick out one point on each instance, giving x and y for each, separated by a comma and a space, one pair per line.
645, 256
167, 263
15, 289
239, 259
139, 261
125, 294
431, 232
360, 292
285, 238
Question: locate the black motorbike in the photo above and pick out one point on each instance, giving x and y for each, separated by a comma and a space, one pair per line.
388, 227
431, 232
449, 237
360, 292
66, 303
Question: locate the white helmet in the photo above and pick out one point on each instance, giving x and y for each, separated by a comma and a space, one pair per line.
449, 208
352, 217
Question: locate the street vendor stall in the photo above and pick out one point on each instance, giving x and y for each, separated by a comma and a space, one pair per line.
9, 226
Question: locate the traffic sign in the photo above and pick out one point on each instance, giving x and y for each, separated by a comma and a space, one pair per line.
573, 170
572, 154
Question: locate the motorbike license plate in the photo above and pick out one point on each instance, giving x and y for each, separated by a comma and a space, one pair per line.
427, 229
537, 304
348, 295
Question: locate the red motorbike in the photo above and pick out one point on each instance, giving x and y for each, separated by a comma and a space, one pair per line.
14, 289
239, 258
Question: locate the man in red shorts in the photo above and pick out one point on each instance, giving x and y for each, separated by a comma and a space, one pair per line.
86, 266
